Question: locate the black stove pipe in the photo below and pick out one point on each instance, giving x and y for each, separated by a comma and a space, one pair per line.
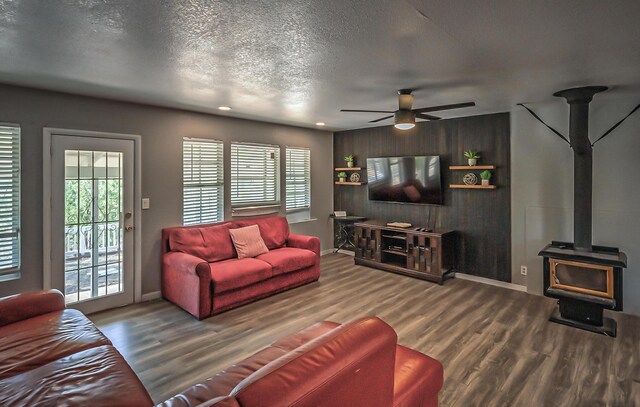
579, 99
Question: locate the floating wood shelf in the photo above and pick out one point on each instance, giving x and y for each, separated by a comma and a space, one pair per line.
461, 186
350, 183
351, 169
472, 167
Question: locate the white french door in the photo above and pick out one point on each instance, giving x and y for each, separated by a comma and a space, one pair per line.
92, 221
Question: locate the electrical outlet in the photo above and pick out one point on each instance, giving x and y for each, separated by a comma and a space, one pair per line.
523, 270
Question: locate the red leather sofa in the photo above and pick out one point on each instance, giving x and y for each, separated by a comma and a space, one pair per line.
52, 356
202, 274
325, 365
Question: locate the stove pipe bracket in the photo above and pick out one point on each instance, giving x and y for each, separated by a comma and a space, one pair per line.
578, 100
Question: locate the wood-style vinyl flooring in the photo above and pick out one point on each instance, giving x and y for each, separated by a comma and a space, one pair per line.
497, 347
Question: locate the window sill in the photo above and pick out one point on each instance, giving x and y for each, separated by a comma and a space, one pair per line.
303, 221
10, 277
255, 210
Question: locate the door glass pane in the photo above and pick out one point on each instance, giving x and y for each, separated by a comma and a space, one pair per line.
93, 233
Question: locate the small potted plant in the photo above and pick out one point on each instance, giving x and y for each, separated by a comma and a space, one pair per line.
485, 176
349, 159
472, 156
342, 176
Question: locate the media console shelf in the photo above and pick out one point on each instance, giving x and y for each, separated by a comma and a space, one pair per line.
425, 255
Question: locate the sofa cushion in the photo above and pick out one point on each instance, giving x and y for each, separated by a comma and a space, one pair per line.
210, 243
418, 378
237, 273
273, 229
36, 341
94, 377
288, 259
247, 241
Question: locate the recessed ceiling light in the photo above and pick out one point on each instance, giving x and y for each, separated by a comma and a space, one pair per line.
320, 124
224, 108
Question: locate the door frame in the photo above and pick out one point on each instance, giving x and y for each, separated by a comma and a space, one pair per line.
47, 173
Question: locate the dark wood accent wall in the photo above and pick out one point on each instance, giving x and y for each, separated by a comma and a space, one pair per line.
482, 218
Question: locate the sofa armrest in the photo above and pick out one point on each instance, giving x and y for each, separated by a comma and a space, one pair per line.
187, 264
28, 305
351, 365
186, 281
304, 242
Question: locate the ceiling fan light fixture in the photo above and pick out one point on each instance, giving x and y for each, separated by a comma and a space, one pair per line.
404, 120
404, 126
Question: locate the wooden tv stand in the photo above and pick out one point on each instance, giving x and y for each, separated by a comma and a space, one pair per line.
425, 255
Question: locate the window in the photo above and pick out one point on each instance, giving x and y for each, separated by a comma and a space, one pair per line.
254, 174
298, 171
202, 182
9, 201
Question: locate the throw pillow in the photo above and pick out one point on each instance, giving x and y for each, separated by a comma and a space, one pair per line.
248, 241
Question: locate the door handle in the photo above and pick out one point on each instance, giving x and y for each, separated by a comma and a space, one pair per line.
128, 228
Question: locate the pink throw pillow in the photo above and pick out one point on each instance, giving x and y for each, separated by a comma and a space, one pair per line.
248, 241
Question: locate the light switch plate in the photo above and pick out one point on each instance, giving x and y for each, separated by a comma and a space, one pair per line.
145, 203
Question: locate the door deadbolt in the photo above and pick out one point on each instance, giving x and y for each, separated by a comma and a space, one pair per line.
128, 228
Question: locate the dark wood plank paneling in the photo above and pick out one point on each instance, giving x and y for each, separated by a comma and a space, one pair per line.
482, 217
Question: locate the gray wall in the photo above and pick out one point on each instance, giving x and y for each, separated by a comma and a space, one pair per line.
162, 131
542, 186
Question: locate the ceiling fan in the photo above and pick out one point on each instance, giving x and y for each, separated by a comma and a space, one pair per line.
405, 117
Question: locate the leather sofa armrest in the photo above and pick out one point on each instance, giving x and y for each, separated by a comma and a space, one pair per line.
351, 365
28, 305
304, 242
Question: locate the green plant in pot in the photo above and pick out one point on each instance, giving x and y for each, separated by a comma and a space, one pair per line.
485, 176
342, 176
349, 160
472, 157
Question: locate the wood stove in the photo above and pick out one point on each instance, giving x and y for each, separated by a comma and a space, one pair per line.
586, 279
585, 284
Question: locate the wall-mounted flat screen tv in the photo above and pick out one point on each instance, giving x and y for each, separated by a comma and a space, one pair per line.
405, 179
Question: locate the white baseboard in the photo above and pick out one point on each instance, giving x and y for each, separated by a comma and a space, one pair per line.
489, 281
331, 251
151, 296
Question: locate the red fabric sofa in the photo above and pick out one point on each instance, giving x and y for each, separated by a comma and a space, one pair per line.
325, 365
52, 356
202, 274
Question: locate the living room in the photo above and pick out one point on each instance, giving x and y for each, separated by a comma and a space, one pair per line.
208, 203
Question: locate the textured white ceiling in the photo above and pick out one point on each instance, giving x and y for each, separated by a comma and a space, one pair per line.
300, 61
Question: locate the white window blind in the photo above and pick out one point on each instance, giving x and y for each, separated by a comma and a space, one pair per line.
9, 201
298, 178
254, 174
203, 181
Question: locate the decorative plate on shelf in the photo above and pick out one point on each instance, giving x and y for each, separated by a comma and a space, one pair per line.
355, 177
470, 179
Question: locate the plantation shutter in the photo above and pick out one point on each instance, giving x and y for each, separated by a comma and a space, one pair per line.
9, 201
203, 181
298, 178
254, 174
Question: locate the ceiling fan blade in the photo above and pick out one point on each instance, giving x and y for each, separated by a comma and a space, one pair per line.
444, 107
427, 116
381, 119
367, 111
